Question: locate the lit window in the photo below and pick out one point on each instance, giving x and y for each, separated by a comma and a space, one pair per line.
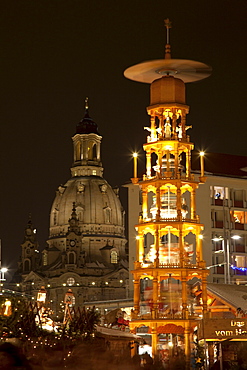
240, 261
239, 217
219, 192
94, 172
114, 257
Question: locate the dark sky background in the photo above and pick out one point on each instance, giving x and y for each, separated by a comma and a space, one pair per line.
54, 53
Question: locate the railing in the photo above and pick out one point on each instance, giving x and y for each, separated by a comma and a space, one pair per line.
162, 316
169, 265
171, 219
172, 177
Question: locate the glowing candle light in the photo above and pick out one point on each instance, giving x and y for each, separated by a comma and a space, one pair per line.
135, 165
202, 163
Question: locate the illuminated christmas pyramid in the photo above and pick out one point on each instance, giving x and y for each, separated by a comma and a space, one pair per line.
169, 232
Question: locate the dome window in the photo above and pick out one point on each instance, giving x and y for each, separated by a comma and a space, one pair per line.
114, 257
103, 188
80, 188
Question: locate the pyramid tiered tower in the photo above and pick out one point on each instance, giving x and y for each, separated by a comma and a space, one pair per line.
169, 232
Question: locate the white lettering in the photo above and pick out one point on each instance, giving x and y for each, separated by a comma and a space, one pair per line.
228, 333
237, 323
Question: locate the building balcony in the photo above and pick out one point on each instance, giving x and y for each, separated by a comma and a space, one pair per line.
239, 248
219, 270
239, 273
218, 202
238, 226
238, 203
218, 224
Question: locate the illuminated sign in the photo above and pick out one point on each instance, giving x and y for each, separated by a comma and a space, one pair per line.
219, 329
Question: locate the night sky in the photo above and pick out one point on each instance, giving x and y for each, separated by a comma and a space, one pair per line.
55, 53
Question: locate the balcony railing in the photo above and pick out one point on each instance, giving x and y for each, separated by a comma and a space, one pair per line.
238, 203
240, 248
238, 226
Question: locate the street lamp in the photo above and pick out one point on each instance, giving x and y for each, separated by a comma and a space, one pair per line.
226, 250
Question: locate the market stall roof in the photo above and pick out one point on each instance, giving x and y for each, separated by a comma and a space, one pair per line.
116, 333
234, 295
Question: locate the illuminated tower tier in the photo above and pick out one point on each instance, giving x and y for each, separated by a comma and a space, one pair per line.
169, 232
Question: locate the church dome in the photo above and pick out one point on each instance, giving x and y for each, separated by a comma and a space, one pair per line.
97, 210
87, 124
97, 207
86, 247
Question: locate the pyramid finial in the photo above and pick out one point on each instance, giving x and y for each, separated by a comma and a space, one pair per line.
168, 25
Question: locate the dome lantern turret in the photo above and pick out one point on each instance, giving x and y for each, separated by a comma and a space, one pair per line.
86, 142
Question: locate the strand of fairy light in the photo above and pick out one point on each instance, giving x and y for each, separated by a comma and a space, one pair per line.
238, 268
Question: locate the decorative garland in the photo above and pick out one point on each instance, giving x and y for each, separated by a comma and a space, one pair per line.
239, 268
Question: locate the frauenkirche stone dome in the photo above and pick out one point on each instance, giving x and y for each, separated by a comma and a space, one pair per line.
98, 208
86, 245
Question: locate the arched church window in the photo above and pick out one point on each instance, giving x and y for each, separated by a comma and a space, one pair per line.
78, 151
94, 152
114, 257
80, 213
107, 214
71, 258
90, 150
27, 265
